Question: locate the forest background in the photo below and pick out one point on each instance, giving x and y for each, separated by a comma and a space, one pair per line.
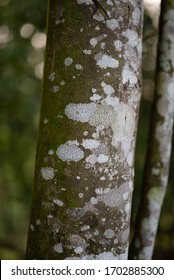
22, 43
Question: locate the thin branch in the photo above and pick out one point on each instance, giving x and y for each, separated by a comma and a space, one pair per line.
159, 149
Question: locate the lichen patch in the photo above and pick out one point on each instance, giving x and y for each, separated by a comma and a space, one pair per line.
68, 152
58, 248
107, 61
47, 173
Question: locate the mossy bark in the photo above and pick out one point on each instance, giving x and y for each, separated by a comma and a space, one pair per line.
160, 140
85, 155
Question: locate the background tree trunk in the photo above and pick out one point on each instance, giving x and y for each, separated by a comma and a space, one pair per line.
160, 140
84, 165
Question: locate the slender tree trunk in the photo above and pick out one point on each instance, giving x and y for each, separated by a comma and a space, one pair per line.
84, 165
159, 149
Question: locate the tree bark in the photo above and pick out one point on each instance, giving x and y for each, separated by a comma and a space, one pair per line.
160, 139
85, 155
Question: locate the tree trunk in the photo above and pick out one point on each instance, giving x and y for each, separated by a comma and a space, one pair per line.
85, 155
160, 139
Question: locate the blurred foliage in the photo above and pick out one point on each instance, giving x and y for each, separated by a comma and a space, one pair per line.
22, 27
19, 109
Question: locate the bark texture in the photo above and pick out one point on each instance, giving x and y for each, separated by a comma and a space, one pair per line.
159, 149
84, 165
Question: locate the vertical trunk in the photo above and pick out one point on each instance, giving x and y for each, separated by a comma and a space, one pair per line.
159, 150
84, 164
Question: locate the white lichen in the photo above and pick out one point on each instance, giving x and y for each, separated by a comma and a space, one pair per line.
118, 45
79, 67
113, 101
80, 112
45, 121
51, 77
86, 2
58, 248
128, 76
38, 222
51, 152
68, 61
108, 89
78, 250
90, 143
96, 232
85, 228
32, 227
109, 233
107, 61
125, 196
47, 173
85, 133
92, 159
62, 83
102, 158
58, 202
128, 208
102, 45
114, 198
93, 42
68, 152
156, 194
155, 171
95, 97
136, 16
132, 37
130, 158
87, 51
93, 200
80, 195
55, 88
112, 24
